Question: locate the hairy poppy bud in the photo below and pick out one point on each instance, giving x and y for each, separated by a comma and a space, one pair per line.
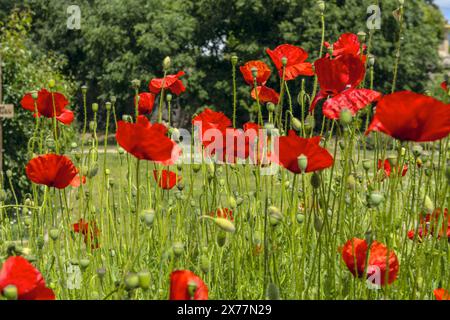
108, 106
371, 60
169, 97
234, 59
222, 223
346, 116
351, 182
95, 107
34, 94
284, 61
10, 292
144, 280
53, 233
9, 173
296, 124
275, 215
315, 180
131, 281
166, 63
51, 83
366, 164
84, 263
136, 83
84, 89
178, 248
362, 36
302, 161
321, 6
375, 198
196, 167
270, 106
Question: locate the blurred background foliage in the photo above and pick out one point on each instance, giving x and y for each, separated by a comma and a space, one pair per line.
123, 40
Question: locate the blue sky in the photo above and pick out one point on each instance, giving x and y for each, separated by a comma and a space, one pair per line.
445, 7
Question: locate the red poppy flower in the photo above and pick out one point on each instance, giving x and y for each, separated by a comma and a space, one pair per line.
49, 104
432, 222
292, 146
387, 168
208, 120
265, 94
30, 284
338, 79
444, 86
354, 254
295, 66
224, 213
166, 179
348, 43
441, 294
51, 170
147, 141
185, 285
146, 102
262, 76
171, 82
76, 181
90, 232
410, 116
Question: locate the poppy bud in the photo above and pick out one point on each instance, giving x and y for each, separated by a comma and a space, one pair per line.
73, 145
302, 161
92, 125
166, 63
178, 248
169, 97
275, 215
101, 273
136, 83
9, 173
351, 182
108, 106
318, 224
196, 167
346, 116
223, 224
254, 71
84, 89
232, 202
234, 59
121, 150
131, 281
362, 36
95, 107
92, 172
371, 60
270, 106
149, 217
272, 292
10, 292
53, 233
284, 61
401, 2
375, 198
204, 263
428, 205
221, 238
366, 164
40, 242
321, 6
300, 218
34, 94
84, 263
296, 124
144, 280
51, 83
417, 150
315, 180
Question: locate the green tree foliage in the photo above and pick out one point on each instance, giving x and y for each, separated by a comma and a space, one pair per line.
25, 68
122, 40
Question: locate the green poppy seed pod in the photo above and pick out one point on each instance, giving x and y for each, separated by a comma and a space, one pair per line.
204, 263
121, 150
371, 60
300, 218
84, 263
34, 94
296, 124
149, 217
351, 182
270, 106
168, 97
192, 287
234, 59
131, 281
318, 224
51, 83
272, 292
180, 186
275, 216
54, 234
166, 63
417, 150
221, 239
254, 71
284, 61
84, 89
302, 161
107, 172
366, 164
136, 83
10, 292
315, 180
74, 145
144, 280
392, 160
321, 6
362, 36
428, 205
101, 272
9, 173
346, 116
92, 125
375, 198
108, 106
178, 248
95, 107
196, 167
